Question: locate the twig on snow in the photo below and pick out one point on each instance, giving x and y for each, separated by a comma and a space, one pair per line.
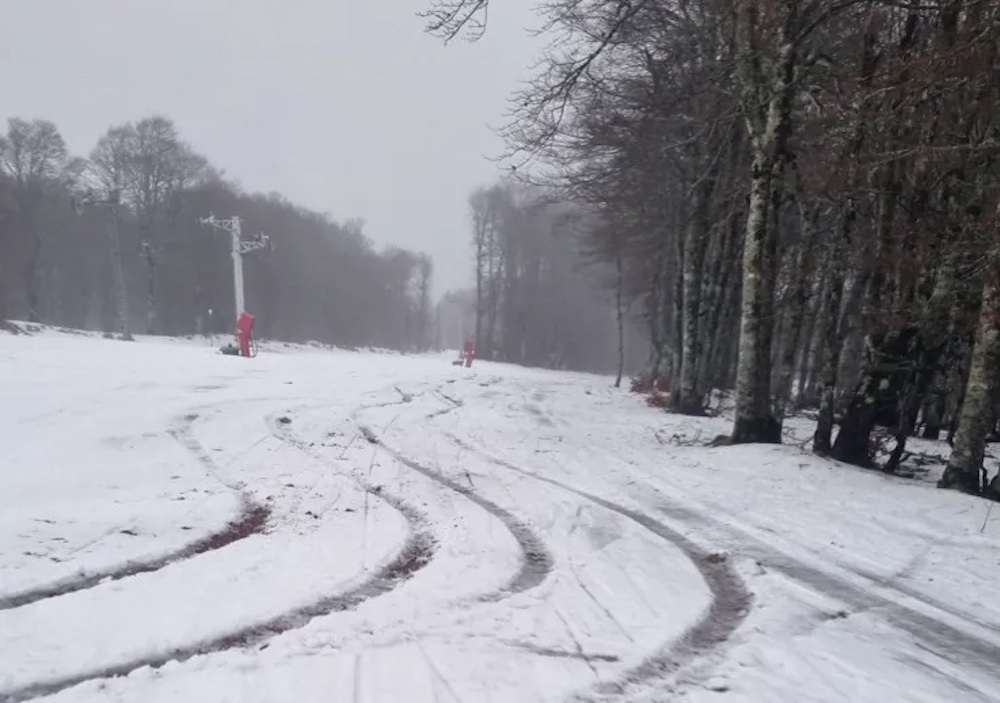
680, 440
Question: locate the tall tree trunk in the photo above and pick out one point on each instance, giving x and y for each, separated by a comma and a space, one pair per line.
838, 319
807, 366
832, 344
934, 332
150, 256
654, 317
958, 380
796, 312
769, 127
875, 397
849, 344
755, 421
881, 376
689, 398
677, 326
480, 262
619, 318
118, 277
836, 327
934, 413
966, 461
715, 299
492, 295
33, 274
32, 287
725, 320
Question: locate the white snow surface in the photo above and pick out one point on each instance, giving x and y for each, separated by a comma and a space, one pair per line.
324, 525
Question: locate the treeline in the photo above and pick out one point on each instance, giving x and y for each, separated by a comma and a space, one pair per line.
541, 296
803, 196
115, 242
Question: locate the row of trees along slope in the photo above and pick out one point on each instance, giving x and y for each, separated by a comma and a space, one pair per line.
804, 195
114, 242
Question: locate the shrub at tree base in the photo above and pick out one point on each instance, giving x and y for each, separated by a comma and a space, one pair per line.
641, 384
658, 400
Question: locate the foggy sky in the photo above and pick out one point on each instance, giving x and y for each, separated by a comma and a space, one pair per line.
343, 106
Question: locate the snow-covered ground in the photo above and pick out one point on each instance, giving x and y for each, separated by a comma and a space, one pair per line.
322, 525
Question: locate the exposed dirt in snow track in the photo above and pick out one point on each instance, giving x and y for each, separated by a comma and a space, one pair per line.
416, 553
536, 562
730, 598
251, 519
413, 557
416, 521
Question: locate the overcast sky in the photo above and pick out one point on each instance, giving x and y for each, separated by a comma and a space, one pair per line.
344, 106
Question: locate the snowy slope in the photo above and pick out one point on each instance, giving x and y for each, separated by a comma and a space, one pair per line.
320, 525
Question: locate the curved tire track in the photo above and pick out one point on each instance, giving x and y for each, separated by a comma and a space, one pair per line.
863, 592
536, 561
948, 641
415, 554
730, 598
251, 519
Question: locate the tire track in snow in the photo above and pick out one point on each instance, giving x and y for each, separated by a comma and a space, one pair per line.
862, 592
857, 585
418, 524
730, 598
536, 561
452, 404
415, 554
251, 519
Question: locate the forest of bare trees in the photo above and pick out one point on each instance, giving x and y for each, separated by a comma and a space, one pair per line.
802, 197
541, 295
114, 242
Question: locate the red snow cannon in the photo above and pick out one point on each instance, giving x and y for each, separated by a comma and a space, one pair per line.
244, 331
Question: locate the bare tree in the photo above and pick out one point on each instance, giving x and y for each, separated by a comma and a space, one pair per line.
33, 155
425, 272
489, 207
109, 168
155, 165
976, 418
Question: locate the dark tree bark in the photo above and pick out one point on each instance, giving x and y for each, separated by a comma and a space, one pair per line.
965, 464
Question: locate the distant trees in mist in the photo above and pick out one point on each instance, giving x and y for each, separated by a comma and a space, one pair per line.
113, 242
540, 298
